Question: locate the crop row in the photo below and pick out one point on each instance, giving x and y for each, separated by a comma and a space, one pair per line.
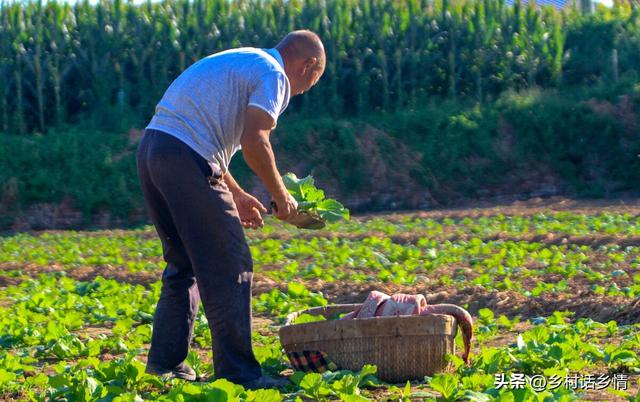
83, 247
566, 223
527, 267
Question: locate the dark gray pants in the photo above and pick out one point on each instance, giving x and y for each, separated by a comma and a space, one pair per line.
207, 258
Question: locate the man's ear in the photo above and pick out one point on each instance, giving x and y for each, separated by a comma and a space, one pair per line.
309, 64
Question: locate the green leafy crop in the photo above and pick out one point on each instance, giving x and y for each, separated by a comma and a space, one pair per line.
312, 199
305, 318
63, 337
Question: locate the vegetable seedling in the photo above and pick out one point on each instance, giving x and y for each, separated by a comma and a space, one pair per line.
314, 210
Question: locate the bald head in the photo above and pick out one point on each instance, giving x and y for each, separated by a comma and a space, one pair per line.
304, 59
303, 44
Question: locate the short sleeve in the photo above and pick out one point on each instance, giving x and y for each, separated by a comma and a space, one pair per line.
270, 93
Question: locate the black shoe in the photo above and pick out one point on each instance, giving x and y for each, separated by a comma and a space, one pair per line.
267, 382
182, 371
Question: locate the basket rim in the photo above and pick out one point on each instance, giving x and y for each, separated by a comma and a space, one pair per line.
385, 326
446, 317
293, 315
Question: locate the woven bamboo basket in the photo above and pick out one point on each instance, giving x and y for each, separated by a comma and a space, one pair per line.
404, 348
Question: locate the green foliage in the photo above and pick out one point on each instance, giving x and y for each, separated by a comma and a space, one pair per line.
296, 298
342, 384
88, 170
305, 318
65, 339
447, 385
488, 96
582, 141
364, 251
111, 62
312, 199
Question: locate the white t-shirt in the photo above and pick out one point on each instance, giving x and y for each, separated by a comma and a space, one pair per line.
205, 106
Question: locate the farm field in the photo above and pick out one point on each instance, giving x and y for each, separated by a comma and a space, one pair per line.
554, 290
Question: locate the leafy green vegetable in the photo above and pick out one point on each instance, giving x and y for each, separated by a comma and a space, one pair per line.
447, 385
312, 199
64, 339
305, 318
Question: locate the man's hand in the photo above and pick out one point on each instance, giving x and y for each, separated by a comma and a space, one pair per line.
249, 209
286, 206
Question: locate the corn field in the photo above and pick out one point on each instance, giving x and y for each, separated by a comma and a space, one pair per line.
63, 64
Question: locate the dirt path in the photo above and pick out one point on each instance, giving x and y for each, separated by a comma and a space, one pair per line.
83, 273
411, 237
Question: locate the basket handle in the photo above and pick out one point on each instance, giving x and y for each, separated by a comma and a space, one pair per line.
291, 317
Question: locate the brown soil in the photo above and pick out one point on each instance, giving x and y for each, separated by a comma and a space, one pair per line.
84, 273
529, 207
411, 237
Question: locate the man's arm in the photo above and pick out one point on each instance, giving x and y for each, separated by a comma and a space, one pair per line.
249, 208
232, 184
258, 154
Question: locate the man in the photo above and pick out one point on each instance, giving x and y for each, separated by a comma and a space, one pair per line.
227, 101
